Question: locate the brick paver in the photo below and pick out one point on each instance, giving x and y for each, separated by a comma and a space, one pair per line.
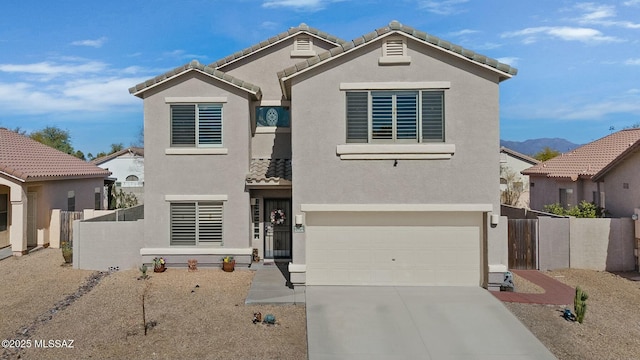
556, 293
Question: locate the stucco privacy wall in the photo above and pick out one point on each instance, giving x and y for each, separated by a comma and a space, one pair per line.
553, 243
119, 244
196, 175
602, 244
471, 108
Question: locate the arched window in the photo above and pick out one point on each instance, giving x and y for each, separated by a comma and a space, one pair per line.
132, 178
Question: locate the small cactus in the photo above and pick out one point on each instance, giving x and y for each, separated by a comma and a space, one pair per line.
143, 270
580, 304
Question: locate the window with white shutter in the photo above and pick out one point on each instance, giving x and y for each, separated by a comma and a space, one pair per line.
196, 125
196, 223
395, 116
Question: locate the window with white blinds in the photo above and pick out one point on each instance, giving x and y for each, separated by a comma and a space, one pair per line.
196, 223
395, 116
196, 125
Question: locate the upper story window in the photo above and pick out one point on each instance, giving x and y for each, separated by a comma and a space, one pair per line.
395, 116
272, 116
196, 125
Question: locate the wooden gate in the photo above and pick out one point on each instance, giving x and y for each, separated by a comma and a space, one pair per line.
66, 224
523, 240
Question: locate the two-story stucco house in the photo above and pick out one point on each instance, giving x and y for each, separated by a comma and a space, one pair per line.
350, 159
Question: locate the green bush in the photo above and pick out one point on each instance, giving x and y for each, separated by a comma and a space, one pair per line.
582, 210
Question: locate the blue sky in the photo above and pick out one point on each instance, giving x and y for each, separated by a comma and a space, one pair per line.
70, 63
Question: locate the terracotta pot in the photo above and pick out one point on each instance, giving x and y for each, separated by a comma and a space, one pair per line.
159, 268
228, 266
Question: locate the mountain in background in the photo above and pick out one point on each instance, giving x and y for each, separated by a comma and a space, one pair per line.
532, 146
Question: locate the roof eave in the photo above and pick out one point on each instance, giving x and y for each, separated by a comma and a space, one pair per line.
30, 179
502, 74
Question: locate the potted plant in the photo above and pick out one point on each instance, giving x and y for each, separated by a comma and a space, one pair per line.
158, 264
228, 263
67, 252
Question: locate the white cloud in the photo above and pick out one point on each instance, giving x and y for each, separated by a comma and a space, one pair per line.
91, 43
632, 61
586, 35
442, 7
632, 3
305, 5
48, 68
595, 14
510, 60
89, 86
463, 32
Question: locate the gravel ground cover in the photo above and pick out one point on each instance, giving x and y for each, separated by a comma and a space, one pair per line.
197, 315
611, 328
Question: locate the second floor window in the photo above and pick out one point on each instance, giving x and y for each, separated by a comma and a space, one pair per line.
196, 125
395, 116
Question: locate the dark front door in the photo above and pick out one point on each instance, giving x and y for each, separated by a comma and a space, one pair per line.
277, 232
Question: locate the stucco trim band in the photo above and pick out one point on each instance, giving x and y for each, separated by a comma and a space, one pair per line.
195, 99
395, 85
396, 151
196, 251
196, 151
196, 198
396, 207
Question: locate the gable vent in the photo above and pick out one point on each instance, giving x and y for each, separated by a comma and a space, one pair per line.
394, 47
303, 47
394, 52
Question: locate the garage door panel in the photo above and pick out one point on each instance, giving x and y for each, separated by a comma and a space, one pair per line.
393, 255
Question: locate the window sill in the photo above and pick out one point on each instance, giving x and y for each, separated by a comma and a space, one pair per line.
396, 151
394, 60
196, 151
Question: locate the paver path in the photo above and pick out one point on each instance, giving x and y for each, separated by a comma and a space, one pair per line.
556, 293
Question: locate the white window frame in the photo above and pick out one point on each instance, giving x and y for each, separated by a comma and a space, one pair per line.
198, 221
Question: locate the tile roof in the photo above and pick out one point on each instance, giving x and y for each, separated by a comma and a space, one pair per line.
197, 66
590, 159
28, 160
272, 40
395, 26
269, 172
520, 156
138, 151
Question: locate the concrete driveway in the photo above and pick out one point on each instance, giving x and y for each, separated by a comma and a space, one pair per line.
380, 322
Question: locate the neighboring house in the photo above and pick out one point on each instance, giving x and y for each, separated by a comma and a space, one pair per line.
127, 168
511, 164
351, 159
34, 179
604, 172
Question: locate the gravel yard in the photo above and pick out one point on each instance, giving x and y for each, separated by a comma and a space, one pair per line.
197, 315
611, 328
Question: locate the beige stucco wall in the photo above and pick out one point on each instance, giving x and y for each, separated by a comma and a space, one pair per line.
119, 245
471, 108
621, 202
546, 191
196, 174
602, 244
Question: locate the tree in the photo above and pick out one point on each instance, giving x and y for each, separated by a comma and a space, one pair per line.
56, 138
511, 186
546, 154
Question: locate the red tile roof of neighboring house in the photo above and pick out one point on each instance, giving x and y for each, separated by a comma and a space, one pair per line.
138, 151
590, 159
28, 160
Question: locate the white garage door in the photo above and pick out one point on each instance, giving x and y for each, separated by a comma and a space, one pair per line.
391, 254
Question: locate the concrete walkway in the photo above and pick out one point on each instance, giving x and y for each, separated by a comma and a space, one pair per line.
271, 285
437, 322
555, 292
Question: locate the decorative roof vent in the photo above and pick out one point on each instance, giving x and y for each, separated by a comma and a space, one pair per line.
394, 51
303, 46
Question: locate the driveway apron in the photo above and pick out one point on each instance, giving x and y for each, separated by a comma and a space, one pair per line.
385, 322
